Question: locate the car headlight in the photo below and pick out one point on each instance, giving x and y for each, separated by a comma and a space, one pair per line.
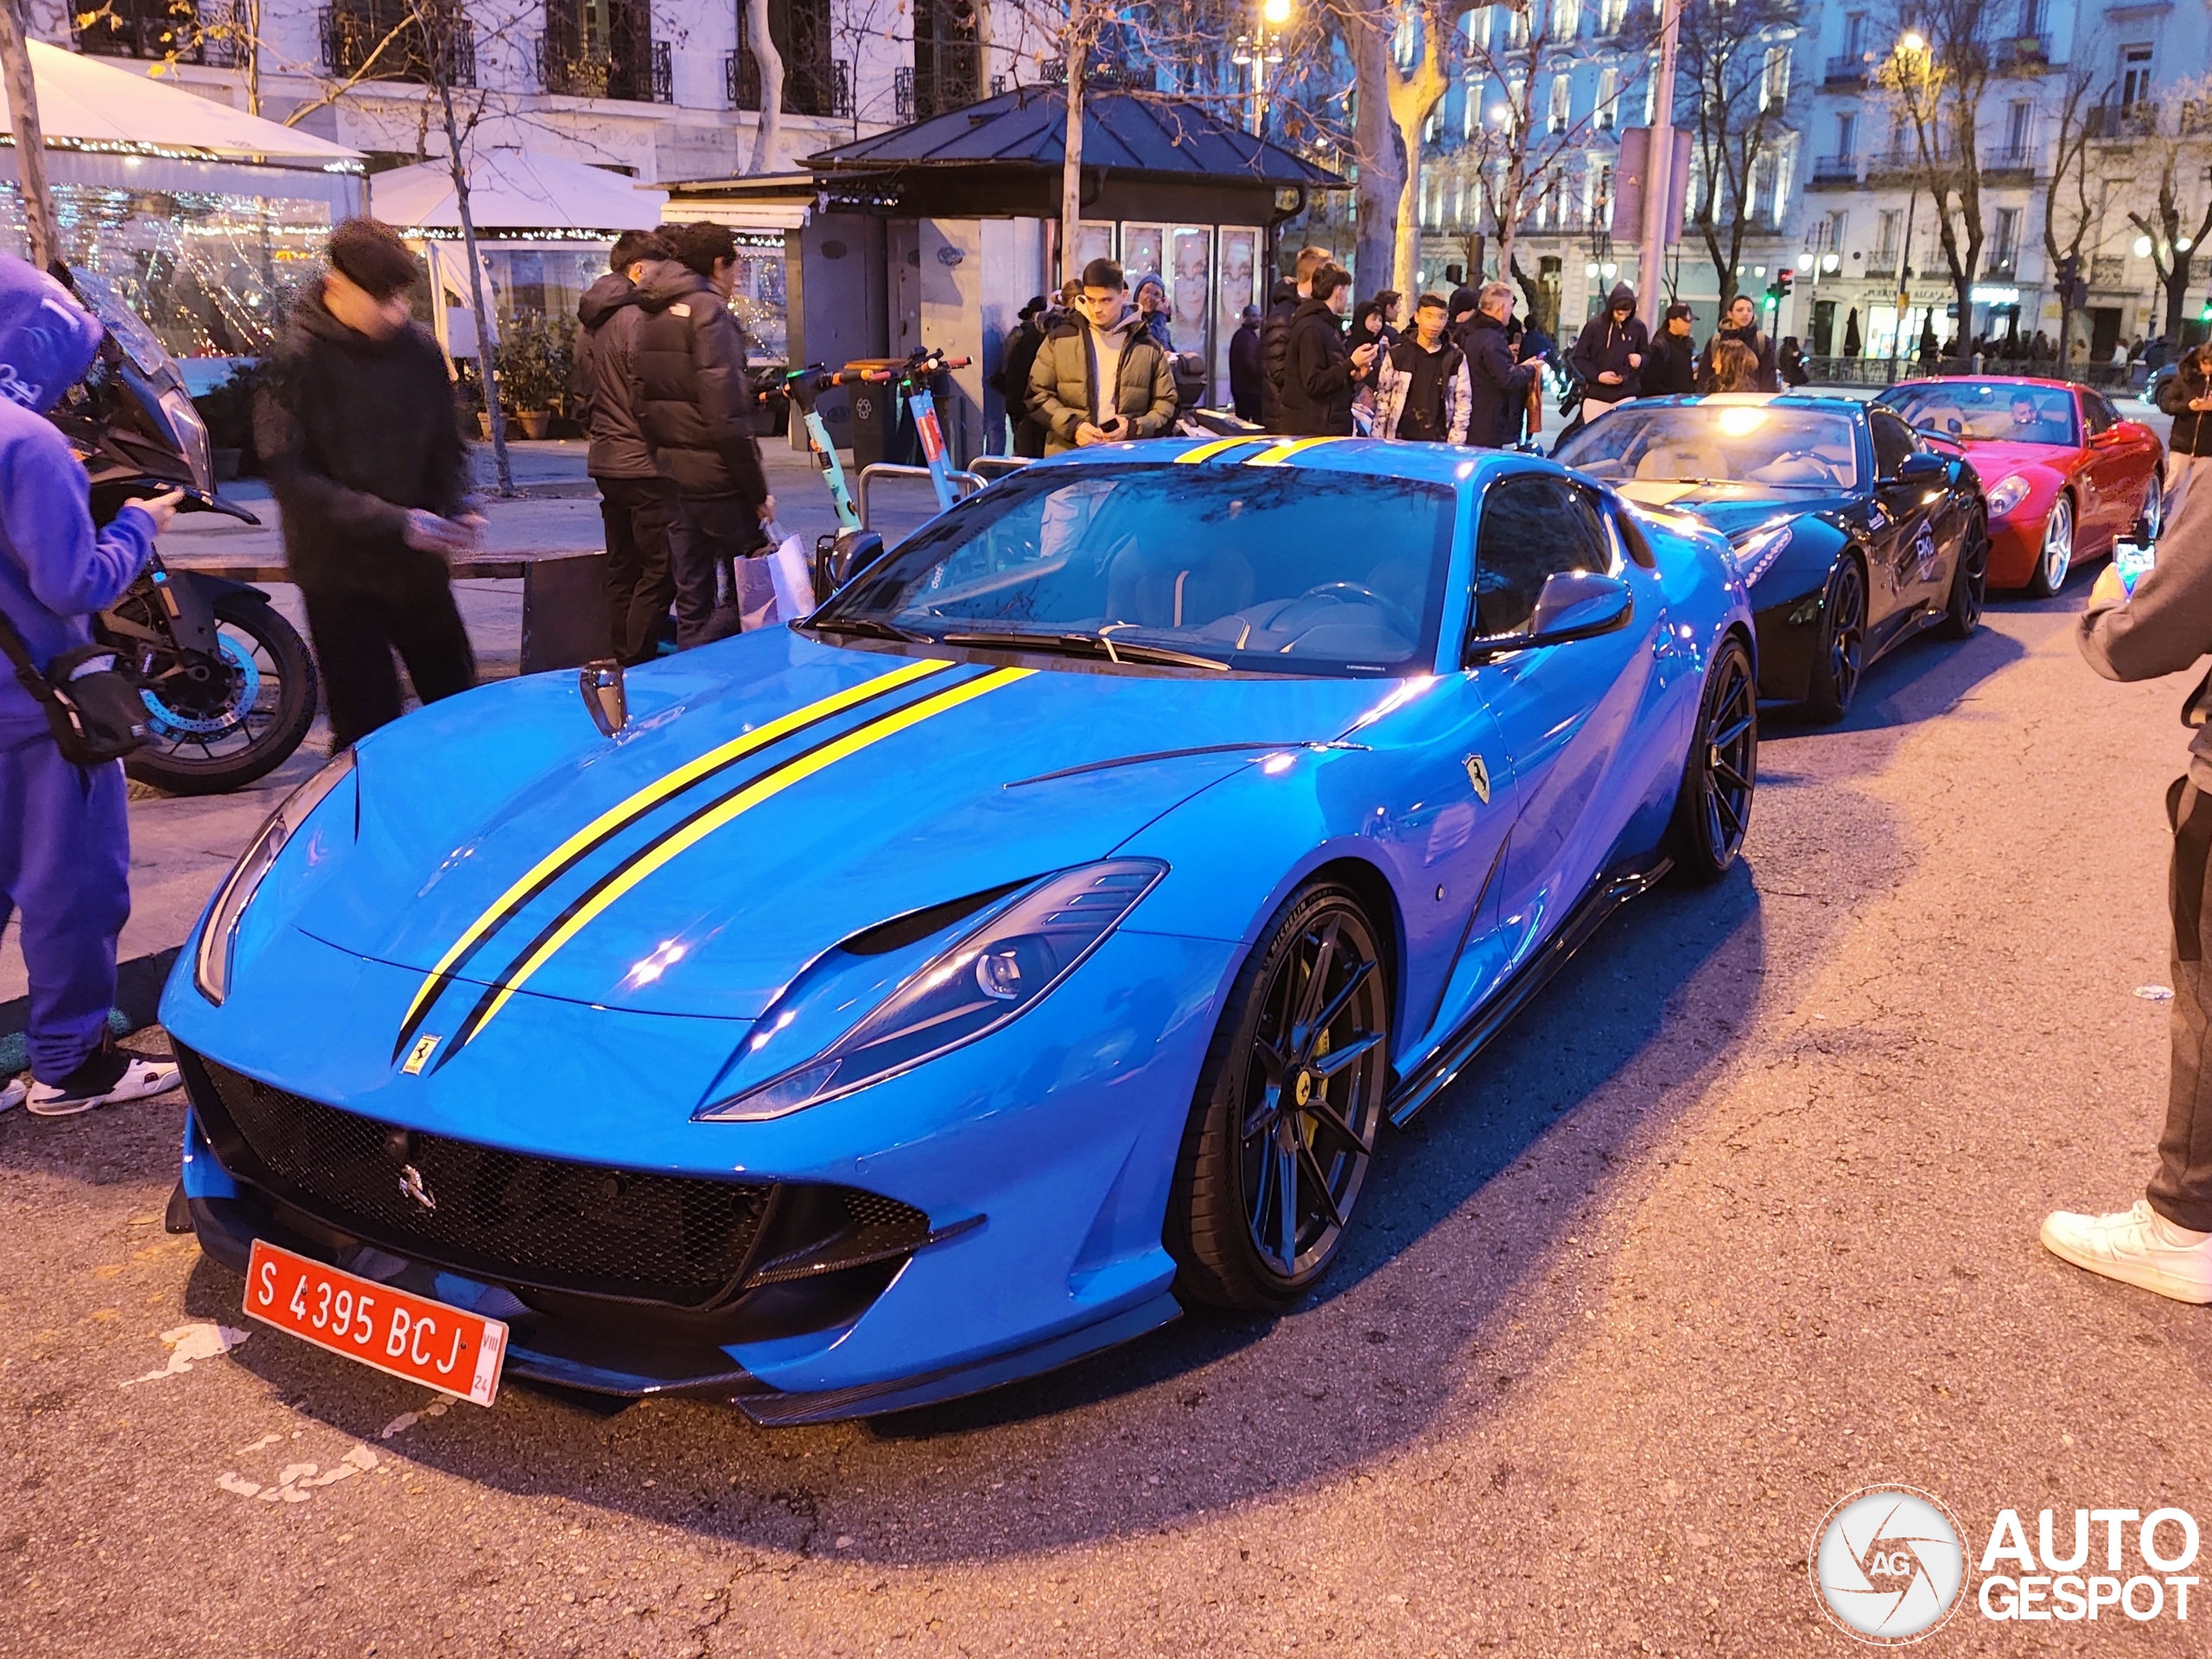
211, 963
1756, 554
2007, 495
990, 975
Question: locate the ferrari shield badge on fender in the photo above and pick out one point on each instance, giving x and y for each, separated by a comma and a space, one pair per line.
1478, 775
419, 1056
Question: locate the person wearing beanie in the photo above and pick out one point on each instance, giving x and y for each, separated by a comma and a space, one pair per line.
1610, 351
364, 455
1151, 297
65, 840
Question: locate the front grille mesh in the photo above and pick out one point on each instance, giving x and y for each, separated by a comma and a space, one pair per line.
500, 1215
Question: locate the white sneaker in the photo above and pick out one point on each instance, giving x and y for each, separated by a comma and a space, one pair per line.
138, 1080
12, 1095
2137, 1247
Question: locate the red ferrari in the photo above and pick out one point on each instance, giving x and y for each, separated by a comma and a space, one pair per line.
2064, 474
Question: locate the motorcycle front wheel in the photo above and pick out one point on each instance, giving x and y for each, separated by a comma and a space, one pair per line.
221, 726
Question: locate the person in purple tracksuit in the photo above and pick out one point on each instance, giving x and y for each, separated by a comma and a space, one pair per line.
65, 843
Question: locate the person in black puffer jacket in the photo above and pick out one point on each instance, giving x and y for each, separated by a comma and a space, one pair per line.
1670, 368
2186, 394
1499, 385
1283, 302
687, 369
1321, 373
357, 427
637, 502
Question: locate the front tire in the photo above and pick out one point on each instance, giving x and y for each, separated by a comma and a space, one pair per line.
216, 733
1282, 1128
1969, 582
1715, 807
1842, 656
2057, 556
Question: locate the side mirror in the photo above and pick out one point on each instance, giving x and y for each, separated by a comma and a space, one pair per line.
1921, 468
605, 700
1574, 605
838, 559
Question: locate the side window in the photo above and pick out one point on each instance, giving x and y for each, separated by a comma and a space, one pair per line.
1532, 526
2102, 415
1892, 441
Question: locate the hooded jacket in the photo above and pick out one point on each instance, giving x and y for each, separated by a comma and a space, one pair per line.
1444, 370
1318, 379
1275, 350
1670, 367
608, 312
1498, 385
1605, 346
55, 570
1760, 347
688, 387
1064, 389
356, 433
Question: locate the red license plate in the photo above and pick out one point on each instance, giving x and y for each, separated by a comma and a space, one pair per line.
390, 1330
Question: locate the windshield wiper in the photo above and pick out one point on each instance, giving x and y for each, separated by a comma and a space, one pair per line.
867, 627
1090, 645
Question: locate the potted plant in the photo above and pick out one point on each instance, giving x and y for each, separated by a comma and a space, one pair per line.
533, 363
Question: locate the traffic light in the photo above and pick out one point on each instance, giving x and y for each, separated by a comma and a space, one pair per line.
1778, 289
2204, 311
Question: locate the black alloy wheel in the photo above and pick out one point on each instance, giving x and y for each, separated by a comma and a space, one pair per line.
1283, 1129
1715, 807
1969, 581
1841, 655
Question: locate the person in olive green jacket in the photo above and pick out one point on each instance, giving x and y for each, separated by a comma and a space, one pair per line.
1099, 378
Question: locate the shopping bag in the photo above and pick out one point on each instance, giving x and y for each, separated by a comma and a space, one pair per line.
793, 574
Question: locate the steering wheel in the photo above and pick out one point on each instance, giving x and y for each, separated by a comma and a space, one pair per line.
1391, 610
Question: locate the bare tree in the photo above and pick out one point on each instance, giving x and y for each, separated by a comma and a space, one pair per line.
2178, 134
1937, 78
769, 133
21, 87
1734, 65
2069, 211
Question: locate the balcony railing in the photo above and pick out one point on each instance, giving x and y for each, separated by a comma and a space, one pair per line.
2021, 55
567, 71
1849, 71
388, 39
810, 87
1836, 170
2017, 158
2003, 265
162, 29
1882, 268
917, 94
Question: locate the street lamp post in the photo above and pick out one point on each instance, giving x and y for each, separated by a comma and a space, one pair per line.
1658, 162
1911, 45
1258, 50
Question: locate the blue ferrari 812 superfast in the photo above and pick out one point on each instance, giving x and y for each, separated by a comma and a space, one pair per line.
1026, 947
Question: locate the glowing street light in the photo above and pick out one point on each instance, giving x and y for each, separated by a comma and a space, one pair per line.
1276, 13
1912, 40
2142, 247
1257, 51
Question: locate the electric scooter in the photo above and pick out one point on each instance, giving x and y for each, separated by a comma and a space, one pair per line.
914, 379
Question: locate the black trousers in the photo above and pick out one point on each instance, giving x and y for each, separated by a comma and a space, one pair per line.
2182, 1189
639, 514
355, 632
711, 534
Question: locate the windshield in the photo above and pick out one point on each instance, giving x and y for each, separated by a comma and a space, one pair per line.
139, 342
1260, 570
1980, 409
1725, 442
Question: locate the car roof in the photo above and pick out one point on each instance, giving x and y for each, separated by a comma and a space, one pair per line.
1985, 380
1437, 463
1831, 402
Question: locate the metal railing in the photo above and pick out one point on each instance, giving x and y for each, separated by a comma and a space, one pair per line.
966, 483
387, 40
176, 31
2020, 158
1835, 169
812, 87
2123, 121
1850, 71
568, 70
2021, 54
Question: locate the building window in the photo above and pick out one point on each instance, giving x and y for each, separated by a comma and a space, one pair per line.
1611, 15
1470, 108
353, 31
1854, 35
1778, 196
1567, 19
1650, 97
1888, 228
2007, 249
2134, 76
1562, 102
1846, 133
813, 83
1609, 92
1774, 85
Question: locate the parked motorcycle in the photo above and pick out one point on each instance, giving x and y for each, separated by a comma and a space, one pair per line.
227, 681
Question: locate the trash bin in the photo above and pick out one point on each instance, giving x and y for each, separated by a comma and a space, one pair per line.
880, 429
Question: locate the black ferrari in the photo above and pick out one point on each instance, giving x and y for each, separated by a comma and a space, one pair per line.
1854, 532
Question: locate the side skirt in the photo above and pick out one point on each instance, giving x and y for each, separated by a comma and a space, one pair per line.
1605, 895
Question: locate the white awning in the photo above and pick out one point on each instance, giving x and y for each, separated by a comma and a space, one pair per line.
513, 192
84, 103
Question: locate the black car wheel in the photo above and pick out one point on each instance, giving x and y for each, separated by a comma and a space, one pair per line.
1969, 582
1282, 1128
1842, 652
1715, 807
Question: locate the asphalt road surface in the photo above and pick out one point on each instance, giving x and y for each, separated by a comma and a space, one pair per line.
1740, 1217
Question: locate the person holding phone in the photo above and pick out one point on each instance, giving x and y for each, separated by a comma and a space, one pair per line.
1324, 371
2140, 625
1099, 377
